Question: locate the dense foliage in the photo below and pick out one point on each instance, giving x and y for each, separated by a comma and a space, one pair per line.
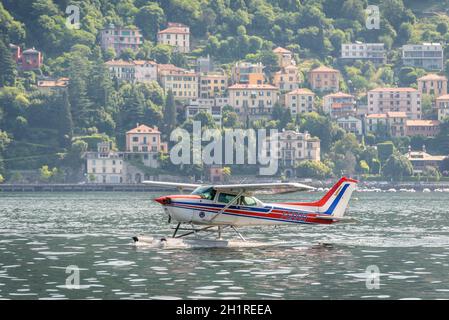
38, 129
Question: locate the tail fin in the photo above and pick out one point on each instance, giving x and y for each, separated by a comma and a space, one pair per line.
335, 202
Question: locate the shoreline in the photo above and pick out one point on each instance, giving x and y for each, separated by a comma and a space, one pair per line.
72, 187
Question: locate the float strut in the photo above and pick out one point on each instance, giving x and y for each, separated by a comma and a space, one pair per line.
238, 233
176, 230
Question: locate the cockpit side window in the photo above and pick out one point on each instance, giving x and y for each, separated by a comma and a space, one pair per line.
248, 201
225, 197
207, 193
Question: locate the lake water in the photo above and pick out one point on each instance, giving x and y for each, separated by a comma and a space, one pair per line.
404, 235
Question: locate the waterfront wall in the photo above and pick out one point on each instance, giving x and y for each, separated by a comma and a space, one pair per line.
89, 187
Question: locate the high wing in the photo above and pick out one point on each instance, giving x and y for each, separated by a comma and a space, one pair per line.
263, 188
180, 186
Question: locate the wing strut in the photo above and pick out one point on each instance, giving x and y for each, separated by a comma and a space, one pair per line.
228, 205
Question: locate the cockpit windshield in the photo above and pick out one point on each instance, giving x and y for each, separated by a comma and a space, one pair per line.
205, 192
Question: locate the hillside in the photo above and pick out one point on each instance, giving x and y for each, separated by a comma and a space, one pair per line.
38, 129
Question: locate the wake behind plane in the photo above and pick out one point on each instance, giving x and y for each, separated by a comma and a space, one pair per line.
232, 206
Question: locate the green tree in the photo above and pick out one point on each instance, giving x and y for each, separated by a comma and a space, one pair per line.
7, 66
444, 166
4, 141
385, 150
227, 173
73, 158
161, 53
206, 119
99, 81
364, 167
397, 167
313, 169
405, 33
375, 167
432, 172
45, 173
65, 122
230, 118
128, 54
269, 59
170, 112
150, 20
442, 28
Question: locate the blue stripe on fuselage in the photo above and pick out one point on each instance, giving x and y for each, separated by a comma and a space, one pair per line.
266, 209
334, 204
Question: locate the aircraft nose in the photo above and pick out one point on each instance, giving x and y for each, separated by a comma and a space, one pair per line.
163, 200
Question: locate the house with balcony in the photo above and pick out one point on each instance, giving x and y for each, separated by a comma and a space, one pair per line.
324, 79
120, 38
288, 78
396, 122
213, 84
351, 124
105, 166
374, 52
339, 105
433, 84
183, 83
421, 159
376, 122
406, 100
253, 101
291, 147
248, 73
426, 128
442, 105
212, 106
429, 56
285, 57
176, 35
300, 101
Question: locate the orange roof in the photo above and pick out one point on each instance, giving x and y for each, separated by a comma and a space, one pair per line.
393, 90
140, 62
377, 116
432, 76
339, 95
253, 86
175, 30
281, 50
324, 69
396, 114
444, 97
301, 91
143, 129
423, 123
119, 63
169, 67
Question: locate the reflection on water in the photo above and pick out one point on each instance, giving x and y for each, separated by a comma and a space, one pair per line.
405, 235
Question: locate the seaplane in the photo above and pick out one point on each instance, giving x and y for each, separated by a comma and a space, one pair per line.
219, 207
